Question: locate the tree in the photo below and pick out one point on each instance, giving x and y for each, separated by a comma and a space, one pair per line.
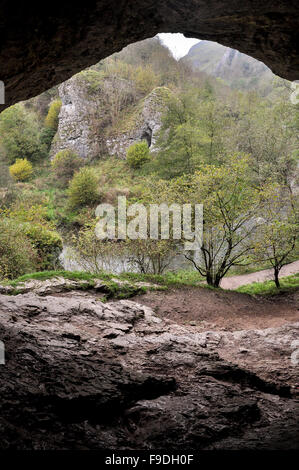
83, 189
277, 236
269, 134
150, 256
52, 118
230, 205
92, 254
17, 255
138, 154
65, 164
21, 170
20, 134
191, 134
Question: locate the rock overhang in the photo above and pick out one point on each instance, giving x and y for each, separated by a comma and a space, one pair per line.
42, 47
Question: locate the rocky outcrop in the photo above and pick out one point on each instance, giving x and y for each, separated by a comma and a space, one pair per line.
82, 374
78, 128
43, 46
147, 121
85, 117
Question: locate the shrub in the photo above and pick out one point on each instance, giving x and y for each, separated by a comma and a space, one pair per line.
46, 137
21, 170
65, 164
52, 118
17, 255
83, 189
20, 134
91, 253
138, 154
47, 243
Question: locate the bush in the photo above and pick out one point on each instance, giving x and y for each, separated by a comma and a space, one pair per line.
17, 255
47, 243
21, 135
52, 118
65, 164
83, 189
21, 170
138, 154
46, 137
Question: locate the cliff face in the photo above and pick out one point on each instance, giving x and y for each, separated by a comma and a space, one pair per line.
86, 117
145, 124
78, 118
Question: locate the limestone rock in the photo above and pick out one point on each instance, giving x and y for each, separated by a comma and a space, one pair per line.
84, 117
79, 112
146, 126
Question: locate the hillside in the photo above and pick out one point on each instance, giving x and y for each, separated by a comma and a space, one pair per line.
142, 125
236, 69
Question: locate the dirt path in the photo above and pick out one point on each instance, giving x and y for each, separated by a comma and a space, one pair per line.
206, 309
234, 282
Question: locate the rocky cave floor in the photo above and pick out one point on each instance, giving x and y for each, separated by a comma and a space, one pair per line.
179, 369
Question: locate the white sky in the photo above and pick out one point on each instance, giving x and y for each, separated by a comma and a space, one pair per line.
177, 43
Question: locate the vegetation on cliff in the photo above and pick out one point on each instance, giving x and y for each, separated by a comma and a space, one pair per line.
206, 142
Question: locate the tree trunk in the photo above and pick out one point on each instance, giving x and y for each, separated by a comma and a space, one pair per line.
276, 278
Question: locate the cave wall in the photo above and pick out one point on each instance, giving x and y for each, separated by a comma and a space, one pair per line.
43, 44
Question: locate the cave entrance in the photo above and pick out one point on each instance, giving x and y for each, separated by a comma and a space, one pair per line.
147, 136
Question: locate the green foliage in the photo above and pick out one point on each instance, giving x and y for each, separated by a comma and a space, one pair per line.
146, 79
21, 170
46, 137
52, 118
277, 231
192, 133
138, 154
47, 243
47, 275
20, 134
93, 254
83, 189
150, 256
287, 284
65, 164
17, 255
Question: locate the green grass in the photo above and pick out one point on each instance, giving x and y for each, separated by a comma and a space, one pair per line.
287, 284
180, 278
112, 289
177, 279
45, 275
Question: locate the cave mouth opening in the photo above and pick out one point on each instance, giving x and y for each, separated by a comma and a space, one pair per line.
147, 136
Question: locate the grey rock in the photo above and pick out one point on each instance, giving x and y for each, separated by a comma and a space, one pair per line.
81, 374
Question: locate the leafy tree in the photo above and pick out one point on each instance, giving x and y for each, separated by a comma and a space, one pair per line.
51, 123
191, 134
150, 256
269, 134
83, 189
277, 236
65, 164
138, 154
230, 205
17, 255
20, 135
91, 253
21, 170
47, 243
52, 118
